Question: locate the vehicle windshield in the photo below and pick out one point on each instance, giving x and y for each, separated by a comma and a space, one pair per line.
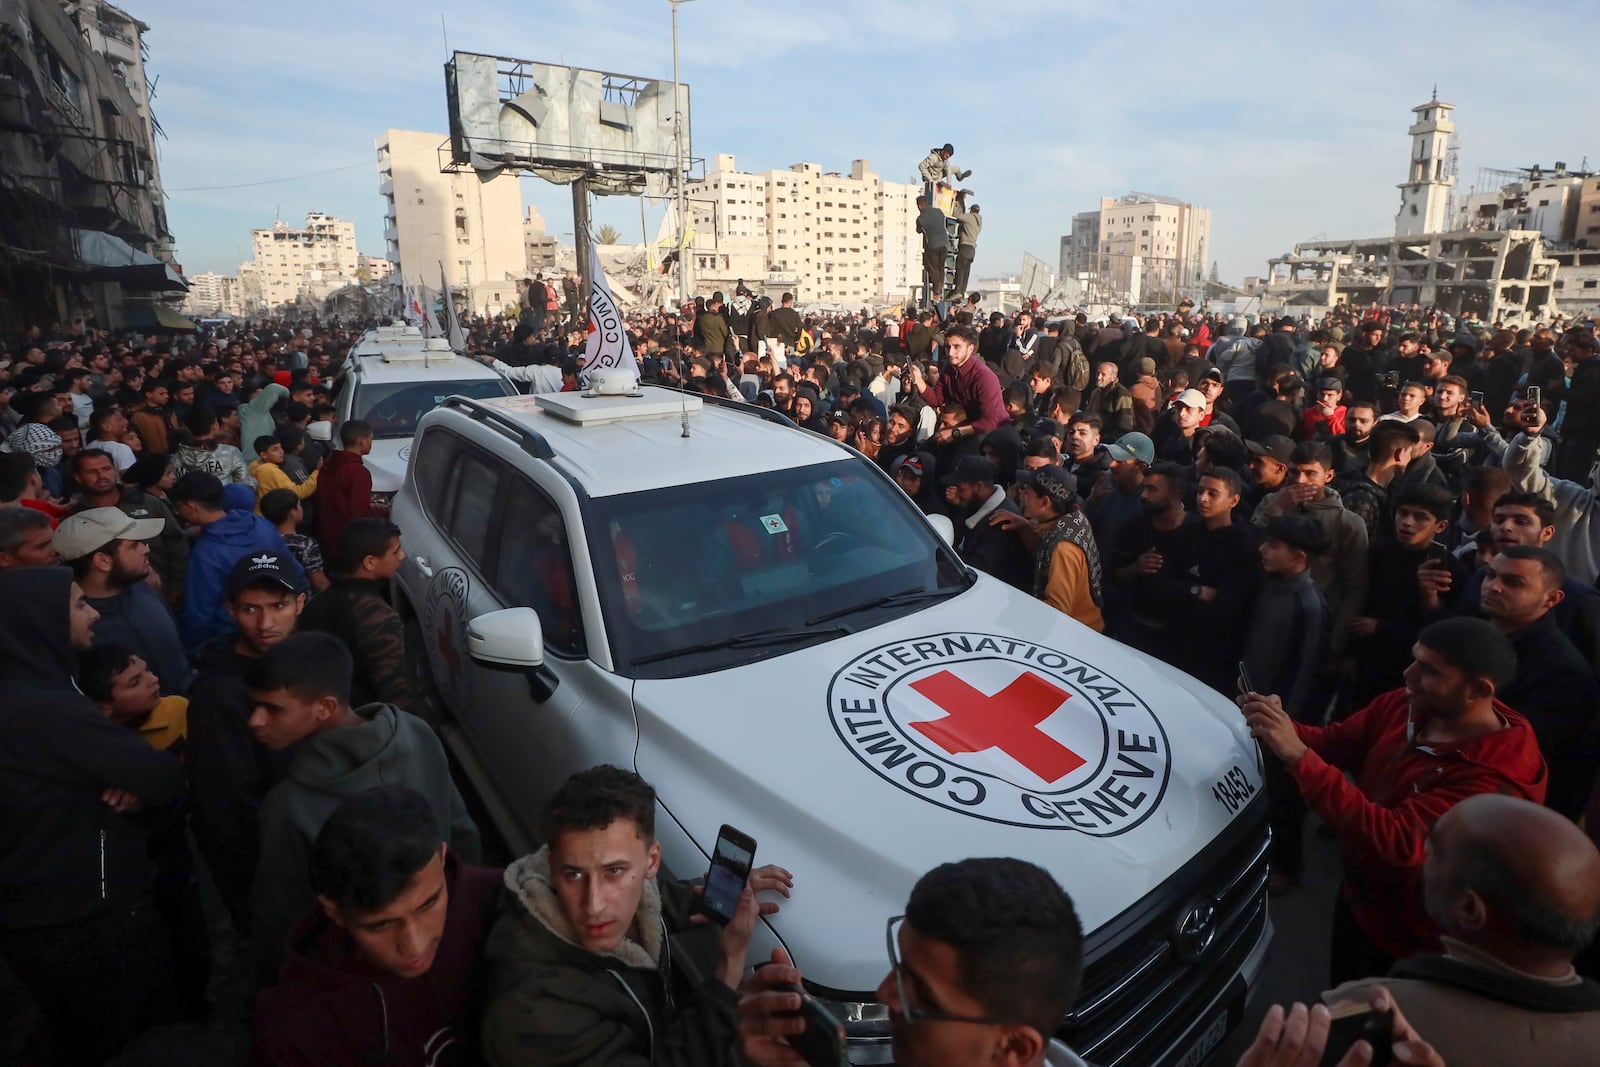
393, 408
720, 573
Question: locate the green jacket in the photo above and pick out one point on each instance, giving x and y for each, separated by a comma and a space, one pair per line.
654, 1000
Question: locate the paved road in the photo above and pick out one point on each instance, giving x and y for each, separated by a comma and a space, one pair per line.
1298, 966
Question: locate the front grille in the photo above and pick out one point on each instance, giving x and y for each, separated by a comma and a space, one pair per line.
1139, 995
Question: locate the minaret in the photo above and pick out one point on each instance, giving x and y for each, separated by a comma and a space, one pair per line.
1426, 191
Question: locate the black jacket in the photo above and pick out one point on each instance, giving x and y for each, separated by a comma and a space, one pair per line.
229, 773
994, 551
64, 854
1556, 691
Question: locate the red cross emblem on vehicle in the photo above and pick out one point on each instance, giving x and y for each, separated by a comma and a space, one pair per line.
1009, 720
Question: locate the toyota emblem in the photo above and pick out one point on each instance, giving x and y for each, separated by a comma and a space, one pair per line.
1196, 932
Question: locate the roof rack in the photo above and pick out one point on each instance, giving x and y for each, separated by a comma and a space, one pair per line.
755, 410
531, 441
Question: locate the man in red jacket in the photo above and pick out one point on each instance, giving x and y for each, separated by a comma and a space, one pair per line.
344, 491
1415, 753
384, 969
968, 381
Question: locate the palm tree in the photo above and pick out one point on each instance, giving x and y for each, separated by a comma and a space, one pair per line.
608, 235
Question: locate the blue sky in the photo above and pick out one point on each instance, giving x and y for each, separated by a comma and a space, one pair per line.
1288, 120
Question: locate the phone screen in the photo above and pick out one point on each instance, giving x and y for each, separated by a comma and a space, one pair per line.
822, 1043
1533, 393
729, 871
1358, 1022
1476, 399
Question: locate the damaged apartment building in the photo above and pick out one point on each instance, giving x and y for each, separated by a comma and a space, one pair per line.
83, 222
1521, 252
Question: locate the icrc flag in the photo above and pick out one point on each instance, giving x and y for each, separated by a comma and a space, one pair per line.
607, 347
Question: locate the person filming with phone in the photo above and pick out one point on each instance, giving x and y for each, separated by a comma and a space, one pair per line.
594, 959
983, 967
1415, 753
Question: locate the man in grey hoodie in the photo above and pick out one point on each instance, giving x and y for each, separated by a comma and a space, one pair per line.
1235, 357
300, 692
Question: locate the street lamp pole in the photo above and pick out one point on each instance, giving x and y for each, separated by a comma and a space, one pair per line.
677, 149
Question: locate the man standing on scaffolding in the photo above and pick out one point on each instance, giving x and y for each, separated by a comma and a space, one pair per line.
936, 169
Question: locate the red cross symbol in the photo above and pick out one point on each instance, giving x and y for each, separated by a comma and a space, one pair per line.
1009, 721
773, 524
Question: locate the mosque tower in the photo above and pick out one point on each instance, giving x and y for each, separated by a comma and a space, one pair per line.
1426, 191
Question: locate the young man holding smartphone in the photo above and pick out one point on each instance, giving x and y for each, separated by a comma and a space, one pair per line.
596, 960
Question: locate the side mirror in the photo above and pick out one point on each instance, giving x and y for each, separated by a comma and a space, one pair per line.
509, 639
512, 639
944, 528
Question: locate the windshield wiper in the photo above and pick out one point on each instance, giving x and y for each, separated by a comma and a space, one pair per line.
905, 596
759, 639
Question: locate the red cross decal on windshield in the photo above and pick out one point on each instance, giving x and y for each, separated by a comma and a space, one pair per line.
1009, 721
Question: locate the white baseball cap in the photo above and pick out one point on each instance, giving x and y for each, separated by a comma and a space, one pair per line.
83, 533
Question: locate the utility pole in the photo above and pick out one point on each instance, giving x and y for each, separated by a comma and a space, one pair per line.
677, 149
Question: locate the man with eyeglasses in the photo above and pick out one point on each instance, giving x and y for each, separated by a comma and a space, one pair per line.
984, 965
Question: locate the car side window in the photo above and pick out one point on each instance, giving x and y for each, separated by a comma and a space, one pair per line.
535, 567
472, 508
434, 457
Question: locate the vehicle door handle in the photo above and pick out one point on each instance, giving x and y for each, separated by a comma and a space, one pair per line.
424, 567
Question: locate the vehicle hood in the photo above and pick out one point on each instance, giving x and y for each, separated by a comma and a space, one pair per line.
388, 461
861, 763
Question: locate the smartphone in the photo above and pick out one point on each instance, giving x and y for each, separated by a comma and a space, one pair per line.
1531, 394
1354, 1022
1392, 379
1244, 680
729, 871
822, 1042
1475, 399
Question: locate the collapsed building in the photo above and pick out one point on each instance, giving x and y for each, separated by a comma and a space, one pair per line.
1518, 254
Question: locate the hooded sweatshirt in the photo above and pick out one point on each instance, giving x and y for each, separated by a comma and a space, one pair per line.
221, 544
387, 747
229, 773
224, 461
64, 854
655, 999
255, 416
332, 1008
1401, 786
344, 496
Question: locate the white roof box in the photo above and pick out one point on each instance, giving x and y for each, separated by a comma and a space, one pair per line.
591, 409
399, 343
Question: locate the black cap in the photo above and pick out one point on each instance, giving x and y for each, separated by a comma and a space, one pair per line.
1053, 482
258, 569
1330, 385
969, 469
1276, 446
1299, 531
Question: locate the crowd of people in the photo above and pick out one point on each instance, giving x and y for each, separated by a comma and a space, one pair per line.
224, 811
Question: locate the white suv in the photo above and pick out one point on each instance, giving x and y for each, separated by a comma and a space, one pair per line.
758, 621
392, 377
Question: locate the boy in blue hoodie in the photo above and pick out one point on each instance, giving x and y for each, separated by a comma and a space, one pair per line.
226, 536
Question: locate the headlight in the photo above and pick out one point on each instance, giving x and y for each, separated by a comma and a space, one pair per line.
866, 1026
381, 502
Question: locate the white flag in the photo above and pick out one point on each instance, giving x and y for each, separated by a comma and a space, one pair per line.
607, 347
413, 307
430, 321
452, 324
